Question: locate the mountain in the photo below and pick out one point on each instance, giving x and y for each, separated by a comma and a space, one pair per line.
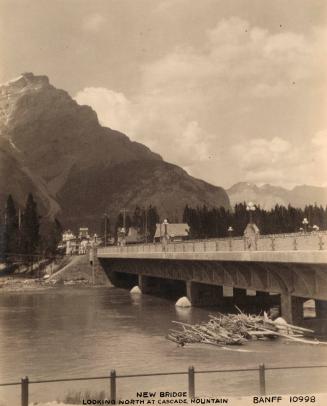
267, 196
78, 169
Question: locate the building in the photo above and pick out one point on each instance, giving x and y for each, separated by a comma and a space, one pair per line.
83, 233
68, 235
133, 236
173, 231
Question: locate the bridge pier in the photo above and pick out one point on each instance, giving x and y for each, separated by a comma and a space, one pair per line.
321, 309
144, 284
200, 294
291, 308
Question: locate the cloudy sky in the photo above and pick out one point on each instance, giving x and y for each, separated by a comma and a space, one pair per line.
231, 90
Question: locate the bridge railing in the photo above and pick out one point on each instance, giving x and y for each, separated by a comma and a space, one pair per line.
113, 377
311, 241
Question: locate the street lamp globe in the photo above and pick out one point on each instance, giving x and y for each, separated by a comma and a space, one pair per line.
165, 223
250, 207
305, 223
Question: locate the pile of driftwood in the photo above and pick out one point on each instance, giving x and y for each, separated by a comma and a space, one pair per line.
236, 329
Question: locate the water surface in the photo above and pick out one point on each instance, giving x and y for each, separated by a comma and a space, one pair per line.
76, 332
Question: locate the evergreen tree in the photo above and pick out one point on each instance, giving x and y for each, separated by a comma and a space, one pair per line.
30, 231
152, 221
138, 219
11, 228
52, 238
106, 229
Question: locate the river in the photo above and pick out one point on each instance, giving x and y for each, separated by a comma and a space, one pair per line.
76, 332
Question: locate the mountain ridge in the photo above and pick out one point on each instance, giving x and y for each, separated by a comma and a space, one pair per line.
79, 169
267, 196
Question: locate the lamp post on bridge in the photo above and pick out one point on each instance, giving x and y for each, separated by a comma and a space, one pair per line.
305, 223
230, 233
251, 232
165, 223
250, 207
165, 237
105, 228
123, 229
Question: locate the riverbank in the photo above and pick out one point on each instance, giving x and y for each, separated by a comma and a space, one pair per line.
70, 270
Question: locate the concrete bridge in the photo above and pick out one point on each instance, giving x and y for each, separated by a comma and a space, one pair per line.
283, 268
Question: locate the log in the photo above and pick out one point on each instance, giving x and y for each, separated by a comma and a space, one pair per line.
291, 326
300, 340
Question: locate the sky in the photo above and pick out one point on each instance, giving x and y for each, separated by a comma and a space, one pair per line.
230, 90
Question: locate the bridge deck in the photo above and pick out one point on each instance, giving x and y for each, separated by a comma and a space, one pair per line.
286, 248
304, 257
292, 265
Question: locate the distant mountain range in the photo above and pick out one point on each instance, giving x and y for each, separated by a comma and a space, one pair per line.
77, 169
268, 196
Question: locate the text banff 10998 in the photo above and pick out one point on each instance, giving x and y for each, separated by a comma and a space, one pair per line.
277, 399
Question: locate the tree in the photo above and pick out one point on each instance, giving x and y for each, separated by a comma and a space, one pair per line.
106, 229
30, 233
52, 238
11, 228
152, 221
137, 219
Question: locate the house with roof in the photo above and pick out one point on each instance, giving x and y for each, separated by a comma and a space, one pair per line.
172, 231
83, 233
133, 236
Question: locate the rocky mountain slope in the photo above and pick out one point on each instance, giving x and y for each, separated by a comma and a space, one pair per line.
76, 168
268, 196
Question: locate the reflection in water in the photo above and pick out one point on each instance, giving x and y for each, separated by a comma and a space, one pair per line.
72, 332
183, 313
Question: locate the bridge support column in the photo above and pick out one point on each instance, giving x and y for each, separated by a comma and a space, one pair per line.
291, 308
240, 297
200, 294
144, 284
321, 309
